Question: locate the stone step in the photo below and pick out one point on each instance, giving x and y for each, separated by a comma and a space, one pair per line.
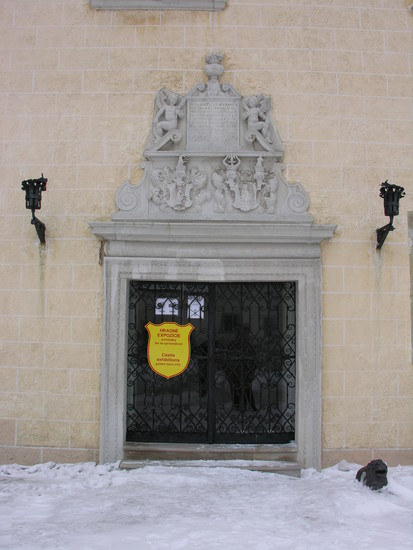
272, 458
271, 466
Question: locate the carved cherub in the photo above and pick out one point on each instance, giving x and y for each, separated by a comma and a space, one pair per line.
255, 108
169, 110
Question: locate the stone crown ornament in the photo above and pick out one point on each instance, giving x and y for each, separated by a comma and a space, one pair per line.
213, 154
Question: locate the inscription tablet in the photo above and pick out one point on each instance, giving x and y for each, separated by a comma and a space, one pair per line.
212, 124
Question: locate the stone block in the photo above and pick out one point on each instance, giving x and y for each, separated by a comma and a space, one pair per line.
156, 37
21, 405
386, 63
397, 41
359, 40
313, 128
284, 16
85, 382
405, 440
58, 81
286, 59
330, 457
33, 59
42, 433
219, 38
239, 17
265, 38
333, 279
8, 377
87, 277
362, 84
253, 82
384, 19
9, 329
311, 38
356, 130
109, 37
347, 358
108, 81
333, 332
16, 354
346, 306
405, 383
370, 435
69, 455
86, 330
72, 407
359, 386
38, 381
73, 59
333, 436
150, 81
346, 410
84, 435
335, 17
401, 131
393, 107
385, 383
358, 332
20, 455
34, 13
333, 385
346, 254
131, 58
90, 104
7, 432
70, 303
188, 18
45, 329
312, 82
70, 356
16, 81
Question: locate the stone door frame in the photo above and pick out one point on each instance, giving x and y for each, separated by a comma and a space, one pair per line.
212, 252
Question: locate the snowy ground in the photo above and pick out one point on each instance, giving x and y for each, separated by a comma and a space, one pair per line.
88, 507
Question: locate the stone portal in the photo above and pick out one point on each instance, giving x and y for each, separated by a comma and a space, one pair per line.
214, 207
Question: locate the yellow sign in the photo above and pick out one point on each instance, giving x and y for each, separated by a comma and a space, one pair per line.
169, 349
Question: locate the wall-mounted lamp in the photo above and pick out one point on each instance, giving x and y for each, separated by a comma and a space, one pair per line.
391, 195
33, 189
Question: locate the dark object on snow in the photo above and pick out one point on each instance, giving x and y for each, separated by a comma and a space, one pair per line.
374, 475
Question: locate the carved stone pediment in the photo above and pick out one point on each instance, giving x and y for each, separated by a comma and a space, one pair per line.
213, 154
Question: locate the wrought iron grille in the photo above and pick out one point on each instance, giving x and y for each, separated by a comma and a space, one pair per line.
239, 386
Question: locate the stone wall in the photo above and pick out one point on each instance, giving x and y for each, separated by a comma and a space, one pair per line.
77, 89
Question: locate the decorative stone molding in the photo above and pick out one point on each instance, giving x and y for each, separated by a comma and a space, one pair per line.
198, 5
213, 205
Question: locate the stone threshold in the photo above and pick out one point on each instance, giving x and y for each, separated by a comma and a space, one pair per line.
265, 458
275, 467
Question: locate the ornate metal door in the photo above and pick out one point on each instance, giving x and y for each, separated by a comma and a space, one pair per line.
239, 386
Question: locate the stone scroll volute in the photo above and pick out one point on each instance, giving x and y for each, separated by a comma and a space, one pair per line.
213, 154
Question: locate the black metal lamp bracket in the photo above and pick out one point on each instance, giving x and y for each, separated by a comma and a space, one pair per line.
391, 195
33, 189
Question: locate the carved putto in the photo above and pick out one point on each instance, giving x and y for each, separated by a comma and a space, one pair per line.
259, 125
213, 154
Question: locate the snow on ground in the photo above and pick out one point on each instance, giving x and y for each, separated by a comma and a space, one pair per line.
89, 507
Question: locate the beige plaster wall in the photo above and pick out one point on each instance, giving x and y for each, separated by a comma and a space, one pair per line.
77, 88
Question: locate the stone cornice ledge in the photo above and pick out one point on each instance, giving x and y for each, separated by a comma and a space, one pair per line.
198, 5
125, 238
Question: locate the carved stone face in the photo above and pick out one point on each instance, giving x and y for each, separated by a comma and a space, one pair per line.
172, 98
